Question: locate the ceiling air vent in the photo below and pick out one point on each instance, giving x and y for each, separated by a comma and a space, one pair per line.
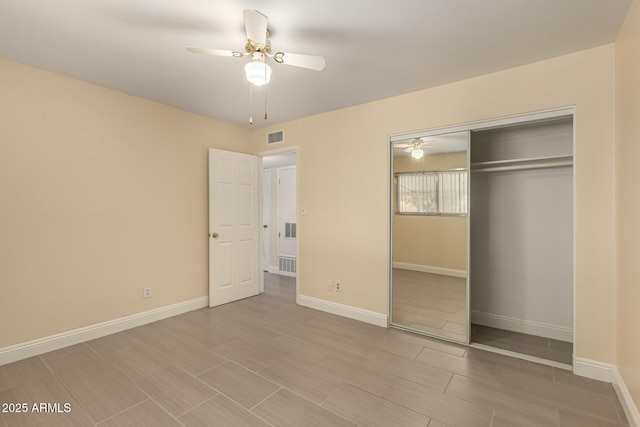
275, 137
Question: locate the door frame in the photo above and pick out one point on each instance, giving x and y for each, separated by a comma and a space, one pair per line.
261, 155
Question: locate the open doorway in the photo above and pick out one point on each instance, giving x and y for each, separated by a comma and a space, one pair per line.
279, 213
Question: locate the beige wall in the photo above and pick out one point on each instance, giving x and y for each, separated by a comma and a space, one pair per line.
434, 241
101, 194
628, 201
343, 170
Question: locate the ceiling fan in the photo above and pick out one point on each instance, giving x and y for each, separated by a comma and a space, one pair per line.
258, 47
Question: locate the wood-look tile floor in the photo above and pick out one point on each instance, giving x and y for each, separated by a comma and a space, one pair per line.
532, 345
431, 303
265, 361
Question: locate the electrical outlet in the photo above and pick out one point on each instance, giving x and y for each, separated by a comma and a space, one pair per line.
338, 286
330, 285
146, 293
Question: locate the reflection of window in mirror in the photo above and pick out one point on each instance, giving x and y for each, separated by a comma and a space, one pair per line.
432, 193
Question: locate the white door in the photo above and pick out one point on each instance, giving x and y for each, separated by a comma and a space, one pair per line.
234, 252
287, 227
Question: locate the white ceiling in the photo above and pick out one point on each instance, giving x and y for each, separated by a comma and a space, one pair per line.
374, 49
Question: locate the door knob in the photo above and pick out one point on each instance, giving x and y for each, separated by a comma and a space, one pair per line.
214, 235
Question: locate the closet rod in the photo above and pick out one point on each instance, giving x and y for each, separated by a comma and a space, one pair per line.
525, 167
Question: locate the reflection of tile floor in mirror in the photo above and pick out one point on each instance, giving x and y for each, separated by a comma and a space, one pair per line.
431, 303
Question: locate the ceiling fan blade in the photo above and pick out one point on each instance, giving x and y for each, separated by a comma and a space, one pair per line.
215, 52
409, 149
255, 24
311, 62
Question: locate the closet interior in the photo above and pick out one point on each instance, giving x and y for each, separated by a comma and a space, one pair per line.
521, 239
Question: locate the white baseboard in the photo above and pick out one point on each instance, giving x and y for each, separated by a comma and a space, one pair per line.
430, 269
593, 369
54, 342
609, 373
629, 406
355, 313
523, 326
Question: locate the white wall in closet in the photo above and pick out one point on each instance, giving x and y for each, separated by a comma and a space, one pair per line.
522, 229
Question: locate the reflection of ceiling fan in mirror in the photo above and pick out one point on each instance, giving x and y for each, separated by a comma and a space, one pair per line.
415, 147
258, 47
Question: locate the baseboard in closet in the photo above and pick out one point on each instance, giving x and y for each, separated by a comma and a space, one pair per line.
523, 326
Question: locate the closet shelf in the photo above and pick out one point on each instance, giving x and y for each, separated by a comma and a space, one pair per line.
522, 164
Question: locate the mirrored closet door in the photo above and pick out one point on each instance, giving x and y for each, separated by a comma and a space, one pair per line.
429, 228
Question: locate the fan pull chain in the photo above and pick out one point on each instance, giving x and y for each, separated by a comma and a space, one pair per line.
265, 103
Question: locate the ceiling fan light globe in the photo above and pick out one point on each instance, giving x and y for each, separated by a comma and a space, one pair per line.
417, 154
257, 72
